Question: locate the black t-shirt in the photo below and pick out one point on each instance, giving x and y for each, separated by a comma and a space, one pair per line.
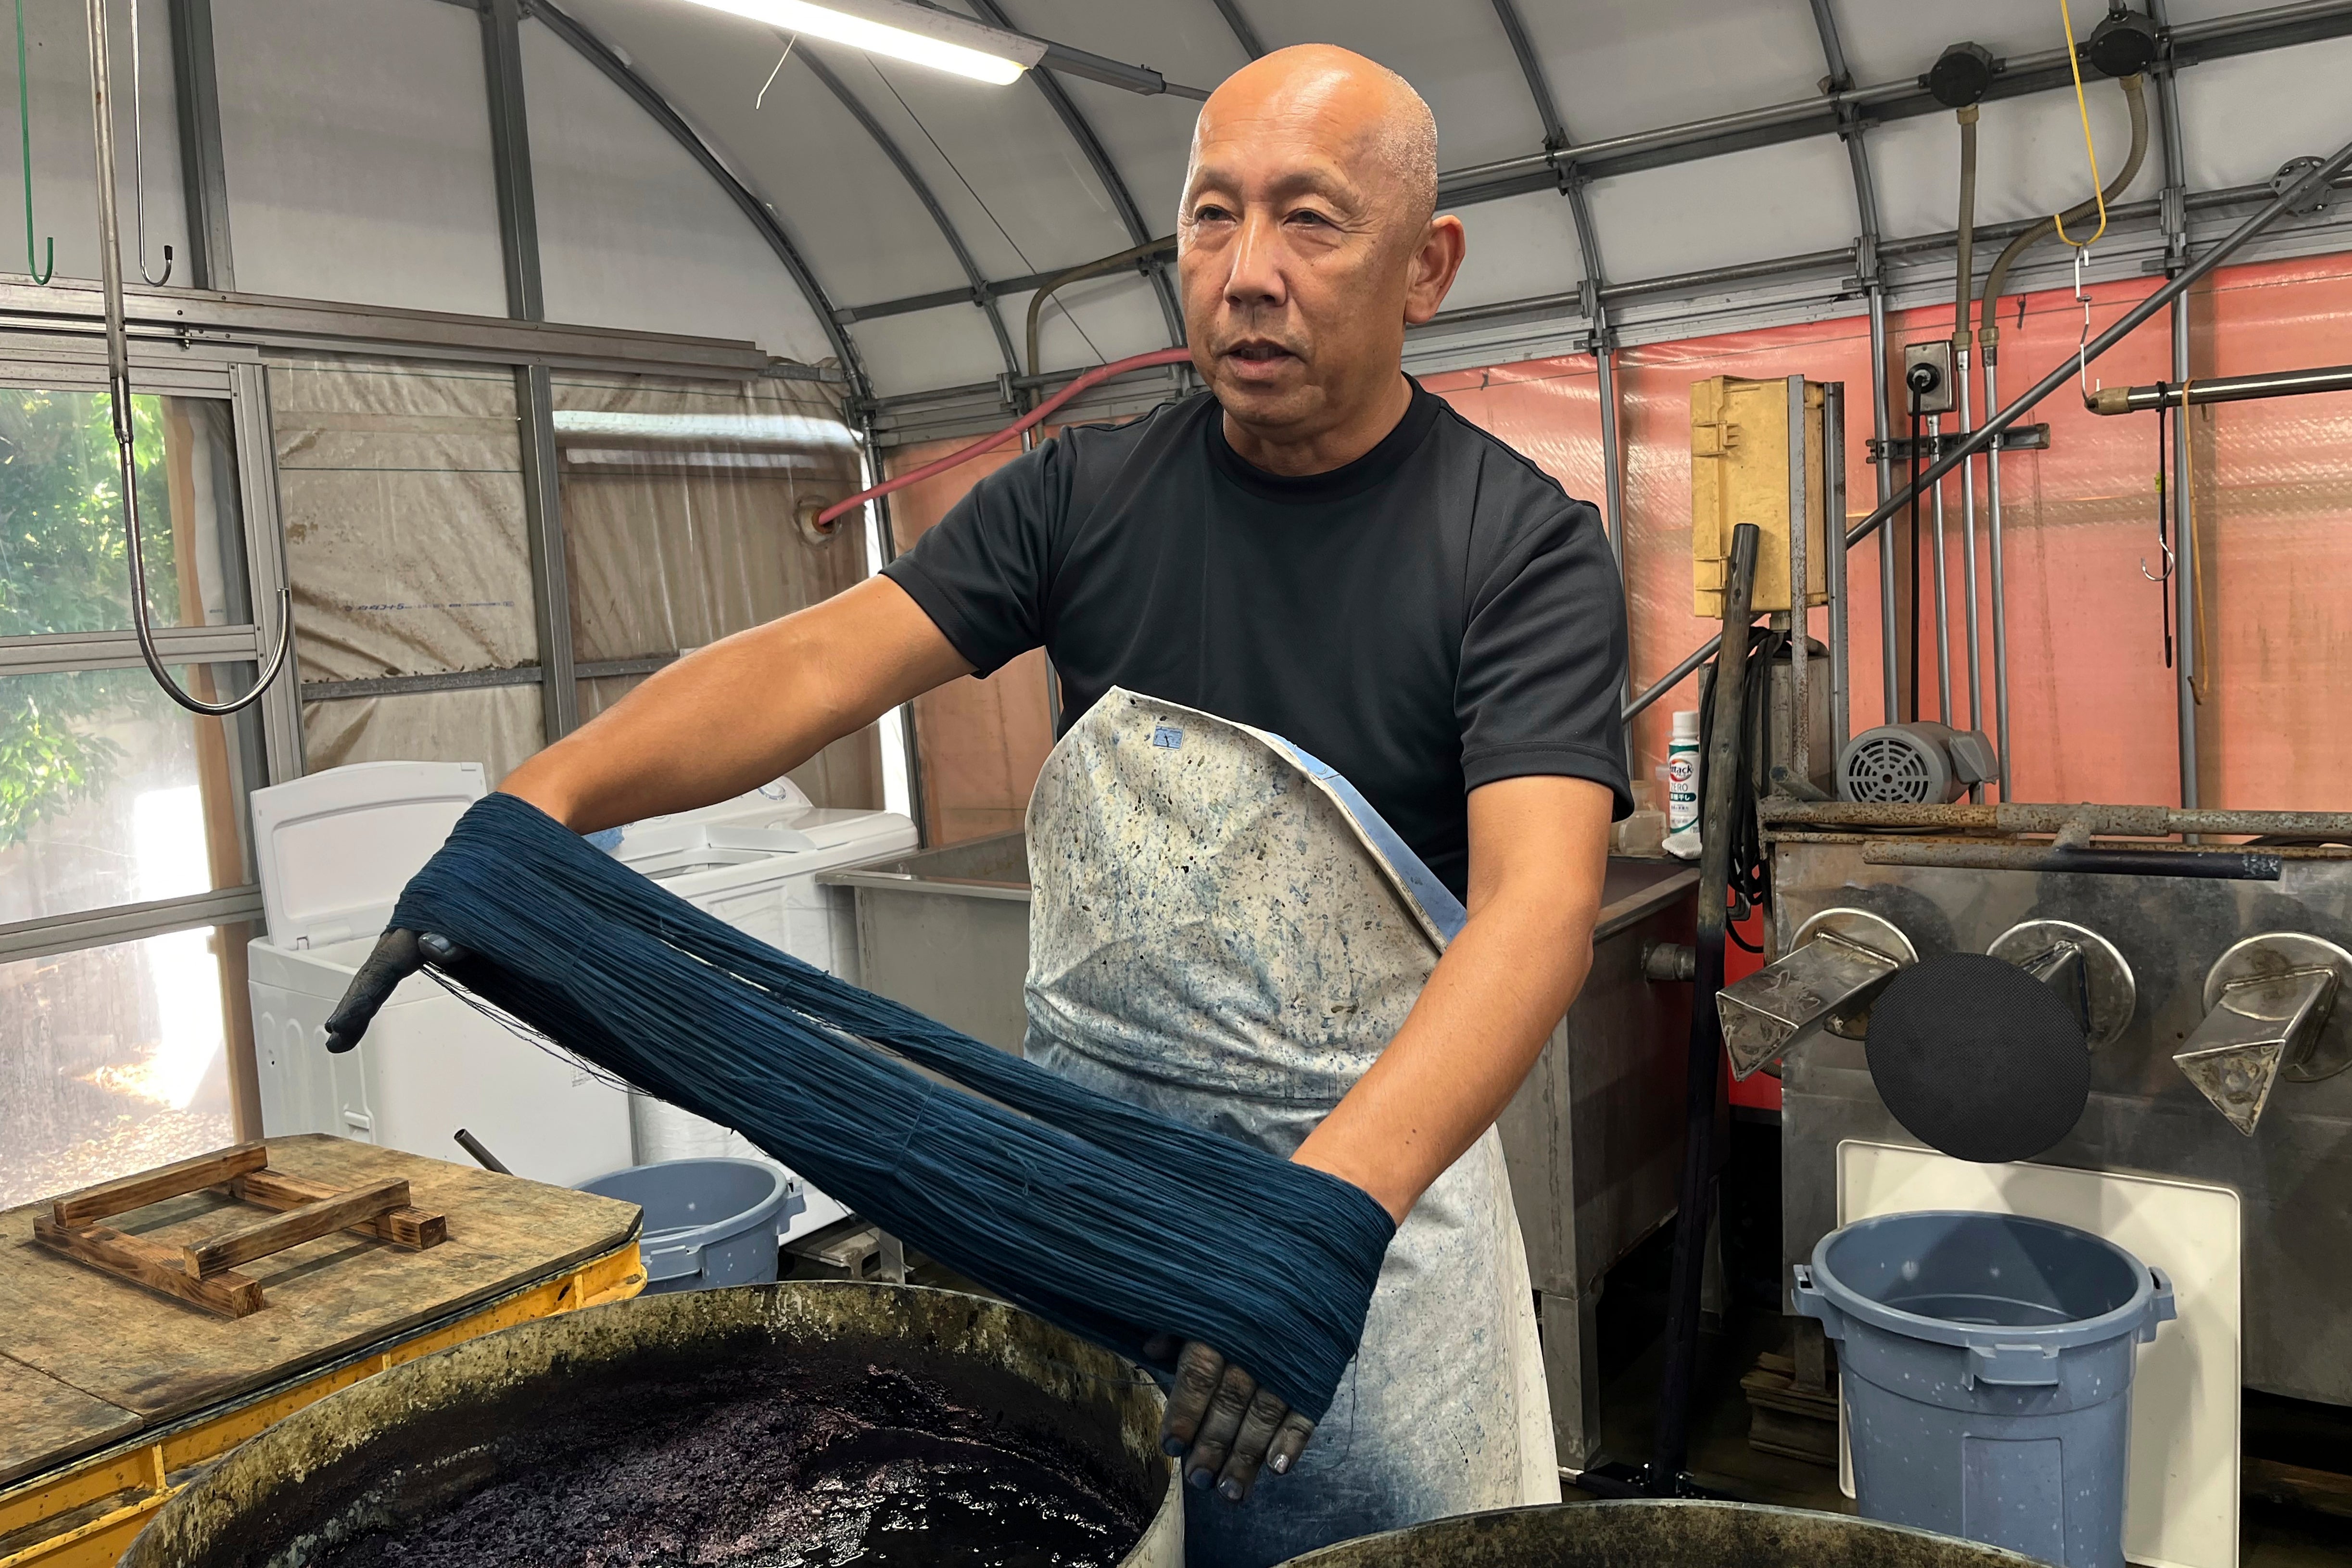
1433, 616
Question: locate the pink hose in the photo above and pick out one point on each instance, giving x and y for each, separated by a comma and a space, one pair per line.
1101, 373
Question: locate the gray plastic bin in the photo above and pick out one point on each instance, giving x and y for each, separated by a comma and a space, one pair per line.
1987, 1365
708, 1222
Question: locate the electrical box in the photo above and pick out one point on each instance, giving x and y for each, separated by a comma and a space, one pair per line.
1739, 473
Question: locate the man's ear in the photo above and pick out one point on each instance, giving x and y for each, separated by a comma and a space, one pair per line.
1435, 261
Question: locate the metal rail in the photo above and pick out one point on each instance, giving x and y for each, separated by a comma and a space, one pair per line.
1984, 435
2223, 389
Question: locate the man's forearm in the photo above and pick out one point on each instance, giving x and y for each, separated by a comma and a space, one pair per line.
1479, 1025
733, 716
1538, 852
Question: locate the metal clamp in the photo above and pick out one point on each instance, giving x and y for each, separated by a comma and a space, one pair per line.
2083, 967
2270, 1011
1840, 962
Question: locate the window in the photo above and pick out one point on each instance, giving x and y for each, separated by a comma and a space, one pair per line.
126, 879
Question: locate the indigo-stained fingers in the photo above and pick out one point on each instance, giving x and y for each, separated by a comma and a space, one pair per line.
1199, 1369
1290, 1442
1258, 1427
440, 950
394, 960
1228, 1407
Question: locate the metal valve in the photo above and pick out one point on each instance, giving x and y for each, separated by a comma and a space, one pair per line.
2270, 1011
1840, 959
2083, 967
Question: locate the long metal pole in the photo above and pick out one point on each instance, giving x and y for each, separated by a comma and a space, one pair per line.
1801, 707
1612, 495
1943, 618
2224, 389
2000, 591
1725, 778
1889, 635
2127, 323
1968, 561
2174, 219
1833, 566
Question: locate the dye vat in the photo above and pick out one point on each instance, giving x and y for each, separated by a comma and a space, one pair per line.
1658, 1535
798, 1425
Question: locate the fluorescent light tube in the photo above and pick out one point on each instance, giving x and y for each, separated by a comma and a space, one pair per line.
903, 31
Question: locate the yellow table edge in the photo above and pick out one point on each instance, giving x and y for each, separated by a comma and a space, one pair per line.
101, 1501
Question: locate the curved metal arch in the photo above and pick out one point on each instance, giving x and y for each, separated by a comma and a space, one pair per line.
764, 217
1556, 140
1114, 184
1245, 34
981, 296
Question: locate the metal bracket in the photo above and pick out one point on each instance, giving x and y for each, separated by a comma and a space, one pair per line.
2016, 438
2082, 966
2270, 1011
1840, 962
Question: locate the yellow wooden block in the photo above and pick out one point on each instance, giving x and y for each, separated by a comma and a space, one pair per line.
1739, 473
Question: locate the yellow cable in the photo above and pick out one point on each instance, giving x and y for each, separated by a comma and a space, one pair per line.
2081, 108
2201, 679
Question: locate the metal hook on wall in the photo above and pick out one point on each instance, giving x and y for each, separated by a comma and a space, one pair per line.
118, 387
137, 161
41, 271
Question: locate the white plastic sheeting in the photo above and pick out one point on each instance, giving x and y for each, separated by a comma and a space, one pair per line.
401, 490
681, 505
357, 139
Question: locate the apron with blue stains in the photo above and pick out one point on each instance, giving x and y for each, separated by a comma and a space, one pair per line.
1225, 933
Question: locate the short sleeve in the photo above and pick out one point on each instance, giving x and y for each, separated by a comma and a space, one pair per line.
1543, 656
983, 573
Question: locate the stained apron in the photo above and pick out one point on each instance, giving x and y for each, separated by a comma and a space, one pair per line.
1223, 931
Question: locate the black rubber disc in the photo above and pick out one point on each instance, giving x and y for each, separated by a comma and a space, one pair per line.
1978, 1058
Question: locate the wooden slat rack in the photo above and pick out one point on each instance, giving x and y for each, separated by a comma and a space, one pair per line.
205, 1273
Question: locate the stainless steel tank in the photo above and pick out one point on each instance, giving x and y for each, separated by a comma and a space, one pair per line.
1658, 1535
413, 1441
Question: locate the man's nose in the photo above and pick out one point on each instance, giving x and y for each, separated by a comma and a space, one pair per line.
1255, 278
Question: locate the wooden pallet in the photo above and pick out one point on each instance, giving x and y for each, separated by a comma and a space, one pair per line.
205, 1273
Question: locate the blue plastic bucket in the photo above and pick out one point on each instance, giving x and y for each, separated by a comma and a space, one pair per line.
708, 1222
1987, 1364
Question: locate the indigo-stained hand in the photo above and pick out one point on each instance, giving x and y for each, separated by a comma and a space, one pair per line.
1222, 1425
398, 954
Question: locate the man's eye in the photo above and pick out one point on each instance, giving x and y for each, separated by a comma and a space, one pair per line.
1304, 215
1210, 214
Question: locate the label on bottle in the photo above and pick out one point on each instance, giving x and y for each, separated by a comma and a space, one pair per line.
1682, 788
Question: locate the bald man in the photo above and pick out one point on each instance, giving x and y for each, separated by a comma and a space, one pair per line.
1318, 547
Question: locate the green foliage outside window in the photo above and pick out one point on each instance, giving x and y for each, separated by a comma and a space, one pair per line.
64, 567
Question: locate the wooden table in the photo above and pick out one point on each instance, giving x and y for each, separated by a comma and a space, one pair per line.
107, 1391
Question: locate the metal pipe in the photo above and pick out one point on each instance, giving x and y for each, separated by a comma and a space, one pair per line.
1943, 617
1999, 589
2124, 821
1968, 561
1889, 633
2176, 252
118, 388
1963, 289
2217, 865
1134, 256
1801, 709
1725, 776
1613, 491
2223, 389
1834, 567
1673, 677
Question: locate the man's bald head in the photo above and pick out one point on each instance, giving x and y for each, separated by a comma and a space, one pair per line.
1307, 243
1368, 115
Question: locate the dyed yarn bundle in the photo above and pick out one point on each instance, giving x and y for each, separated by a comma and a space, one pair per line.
1110, 1221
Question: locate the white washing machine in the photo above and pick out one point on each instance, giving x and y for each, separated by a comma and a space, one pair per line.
752, 862
335, 849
